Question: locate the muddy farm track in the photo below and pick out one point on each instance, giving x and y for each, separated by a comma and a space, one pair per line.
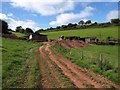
58, 72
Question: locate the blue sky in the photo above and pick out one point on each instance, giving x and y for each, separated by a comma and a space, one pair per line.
46, 14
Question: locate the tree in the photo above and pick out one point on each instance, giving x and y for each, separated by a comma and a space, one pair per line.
37, 31
74, 25
115, 21
28, 31
88, 22
40, 30
64, 27
4, 27
81, 22
51, 28
70, 25
95, 23
20, 29
58, 27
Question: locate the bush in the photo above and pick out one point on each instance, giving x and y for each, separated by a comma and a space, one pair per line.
115, 21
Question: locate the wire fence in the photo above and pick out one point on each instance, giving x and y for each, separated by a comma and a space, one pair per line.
96, 57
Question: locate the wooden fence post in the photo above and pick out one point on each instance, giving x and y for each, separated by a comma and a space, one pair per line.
100, 61
82, 57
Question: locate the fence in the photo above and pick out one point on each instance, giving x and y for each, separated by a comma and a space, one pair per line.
103, 60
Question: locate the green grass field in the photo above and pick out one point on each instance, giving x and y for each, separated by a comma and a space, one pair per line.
101, 33
19, 65
100, 59
18, 34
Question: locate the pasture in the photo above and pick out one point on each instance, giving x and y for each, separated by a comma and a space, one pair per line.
100, 33
19, 65
100, 59
18, 34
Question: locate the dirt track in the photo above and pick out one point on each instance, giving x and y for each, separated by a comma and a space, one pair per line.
78, 76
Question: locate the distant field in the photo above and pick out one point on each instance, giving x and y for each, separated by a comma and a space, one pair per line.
18, 34
19, 65
101, 33
100, 59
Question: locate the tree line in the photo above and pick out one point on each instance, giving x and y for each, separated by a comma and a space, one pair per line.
4, 28
81, 25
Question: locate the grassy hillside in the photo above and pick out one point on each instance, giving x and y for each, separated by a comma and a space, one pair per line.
101, 33
100, 59
19, 67
18, 34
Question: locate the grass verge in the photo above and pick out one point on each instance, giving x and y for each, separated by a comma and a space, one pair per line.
18, 63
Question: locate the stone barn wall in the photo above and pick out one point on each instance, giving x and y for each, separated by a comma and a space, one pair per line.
39, 37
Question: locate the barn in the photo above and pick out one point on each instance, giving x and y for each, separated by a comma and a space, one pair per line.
84, 39
89, 39
73, 37
38, 37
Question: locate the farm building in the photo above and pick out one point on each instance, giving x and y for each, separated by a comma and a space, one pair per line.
61, 37
89, 39
38, 37
73, 37
85, 39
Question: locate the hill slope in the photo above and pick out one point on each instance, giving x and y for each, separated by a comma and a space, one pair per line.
19, 63
101, 33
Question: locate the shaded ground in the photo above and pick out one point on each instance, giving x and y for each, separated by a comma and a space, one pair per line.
58, 72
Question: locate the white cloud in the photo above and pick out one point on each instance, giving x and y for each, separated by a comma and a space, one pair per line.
114, 0
112, 14
44, 7
71, 17
64, 0
14, 23
10, 14
33, 15
98, 0
3, 16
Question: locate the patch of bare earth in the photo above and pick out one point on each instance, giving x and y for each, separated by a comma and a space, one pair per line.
96, 78
49, 74
80, 77
68, 43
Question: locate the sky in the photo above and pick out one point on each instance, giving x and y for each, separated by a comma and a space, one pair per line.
37, 14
